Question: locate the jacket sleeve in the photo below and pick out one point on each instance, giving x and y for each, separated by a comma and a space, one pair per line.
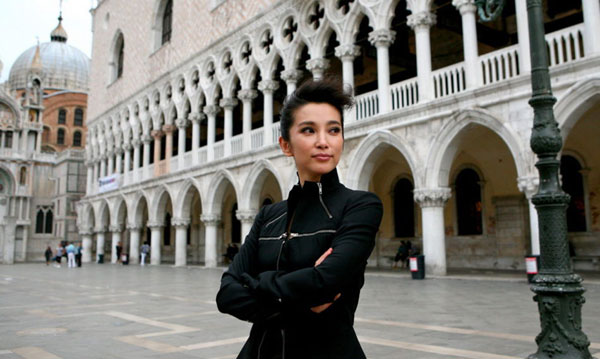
352, 245
234, 296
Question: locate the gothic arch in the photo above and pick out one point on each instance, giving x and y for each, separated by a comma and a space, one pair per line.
372, 145
117, 50
575, 102
159, 202
119, 211
102, 214
255, 180
183, 203
445, 144
137, 215
217, 186
88, 217
157, 23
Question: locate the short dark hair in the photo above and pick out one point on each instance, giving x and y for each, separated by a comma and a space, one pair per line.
328, 90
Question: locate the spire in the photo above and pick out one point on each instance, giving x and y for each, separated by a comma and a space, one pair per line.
59, 34
36, 63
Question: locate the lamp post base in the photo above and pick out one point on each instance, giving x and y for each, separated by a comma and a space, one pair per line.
560, 298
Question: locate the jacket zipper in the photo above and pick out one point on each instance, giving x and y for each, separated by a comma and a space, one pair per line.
296, 235
261, 342
321, 199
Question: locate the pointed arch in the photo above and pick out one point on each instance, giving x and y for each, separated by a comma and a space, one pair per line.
182, 206
445, 145
137, 207
370, 146
159, 203
578, 99
119, 212
217, 188
255, 180
103, 214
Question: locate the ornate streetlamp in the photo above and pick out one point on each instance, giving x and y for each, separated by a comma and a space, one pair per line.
558, 291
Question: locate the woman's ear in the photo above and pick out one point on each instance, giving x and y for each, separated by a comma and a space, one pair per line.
286, 147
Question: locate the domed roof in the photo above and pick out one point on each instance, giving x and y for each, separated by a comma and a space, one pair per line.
63, 66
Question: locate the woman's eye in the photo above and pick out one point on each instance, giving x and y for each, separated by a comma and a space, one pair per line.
335, 130
307, 130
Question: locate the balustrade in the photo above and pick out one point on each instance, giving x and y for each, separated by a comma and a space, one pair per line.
565, 45
449, 80
404, 94
367, 105
500, 65
256, 138
237, 143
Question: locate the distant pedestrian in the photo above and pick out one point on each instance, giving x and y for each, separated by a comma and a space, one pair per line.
78, 252
144, 252
71, 255
401, 255
119, 249
59, 253
48, 255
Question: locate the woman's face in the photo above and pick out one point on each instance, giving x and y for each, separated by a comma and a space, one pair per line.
316, 140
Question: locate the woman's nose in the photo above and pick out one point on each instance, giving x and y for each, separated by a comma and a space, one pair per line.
322, 139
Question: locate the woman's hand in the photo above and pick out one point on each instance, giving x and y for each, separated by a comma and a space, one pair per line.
320, 308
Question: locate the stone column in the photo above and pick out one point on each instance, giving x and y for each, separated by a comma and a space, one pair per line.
468, 11
2, 139
90, 177
195, 118
291, 78
136, 154
86, 244
181, 225
111, 163
168, 130
347, 53
146, 139
382, 39
432, 201
523, 36
119, 167
211, 112
156, 232
247, 219
127, 149
228, 104
317, 67
135, 232
529, 186
100, 241
268, 87
25, 139
181, 125
116, 238
247, 96
591, 21
421, 22
157, 145
103, 166
211, 221
15, 144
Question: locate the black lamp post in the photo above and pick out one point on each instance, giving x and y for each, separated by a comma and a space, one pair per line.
558, 291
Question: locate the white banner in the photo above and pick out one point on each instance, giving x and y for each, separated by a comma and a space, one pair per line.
108, 183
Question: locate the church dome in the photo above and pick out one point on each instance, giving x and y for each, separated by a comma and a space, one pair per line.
64, 67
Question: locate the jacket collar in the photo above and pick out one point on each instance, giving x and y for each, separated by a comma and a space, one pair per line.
311, 189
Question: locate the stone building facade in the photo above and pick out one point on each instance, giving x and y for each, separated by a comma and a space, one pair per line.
42, 127
184, 99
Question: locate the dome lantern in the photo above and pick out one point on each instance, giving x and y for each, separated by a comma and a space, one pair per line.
59, 34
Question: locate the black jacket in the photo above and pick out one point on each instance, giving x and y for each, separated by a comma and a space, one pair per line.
273, 282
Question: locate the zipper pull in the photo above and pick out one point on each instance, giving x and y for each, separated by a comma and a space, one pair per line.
321, 199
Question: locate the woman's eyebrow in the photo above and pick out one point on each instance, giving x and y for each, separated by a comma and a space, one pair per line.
312, 123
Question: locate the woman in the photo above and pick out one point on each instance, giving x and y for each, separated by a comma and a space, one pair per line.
299, 273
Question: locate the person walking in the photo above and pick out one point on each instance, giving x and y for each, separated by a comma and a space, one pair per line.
298, 275
78, 252
119, 250
48, 254
144, 252
71, 255
58, 256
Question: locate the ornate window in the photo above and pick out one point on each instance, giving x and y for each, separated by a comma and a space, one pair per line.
468, 203
404, 209
120, 56
49, 222
60, 136
167, 22
62, 116
23, 176
78, 121
44, 220
39, 221
572, 183
77, 139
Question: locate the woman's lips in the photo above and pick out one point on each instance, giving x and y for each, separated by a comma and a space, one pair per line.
322, 157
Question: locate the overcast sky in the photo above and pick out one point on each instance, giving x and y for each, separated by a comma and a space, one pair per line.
23, 21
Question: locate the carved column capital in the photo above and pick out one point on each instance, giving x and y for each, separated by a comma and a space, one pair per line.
291, 76
168, 129
134, 226
181, 123
268, 86
146, 139
136, 142
119, 151
317, 66
155, 224
465, 6
86, 231
100, 229
157, 134
382, 37
247, 94
127, 146
228, 103
180, 222
210, 219
246, 216
116, 229
421, 19
432, 197
211, 110
528, 185
196, 116
347, 52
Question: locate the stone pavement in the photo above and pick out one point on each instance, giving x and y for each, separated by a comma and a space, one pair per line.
115, 311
